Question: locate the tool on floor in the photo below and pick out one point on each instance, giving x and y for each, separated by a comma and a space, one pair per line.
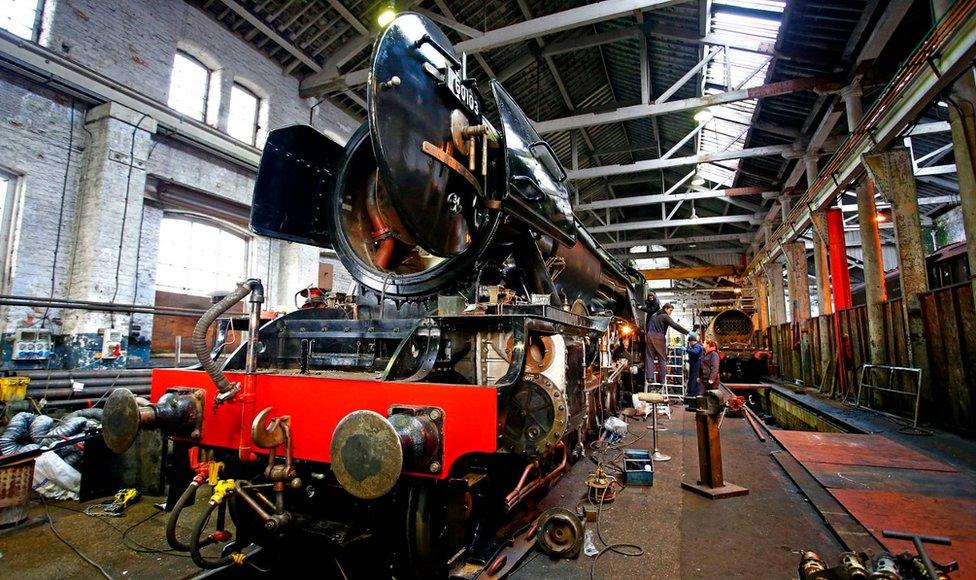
884, 566
920, 540
655, 399
559, 533
709, 411
115, 508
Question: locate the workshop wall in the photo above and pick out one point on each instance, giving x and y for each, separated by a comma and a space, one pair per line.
132, 42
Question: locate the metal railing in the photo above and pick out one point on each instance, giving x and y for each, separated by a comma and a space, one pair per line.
891, 373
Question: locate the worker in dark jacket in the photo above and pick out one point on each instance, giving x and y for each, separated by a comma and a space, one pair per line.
651, 305
655, 345
694, 350
708, 379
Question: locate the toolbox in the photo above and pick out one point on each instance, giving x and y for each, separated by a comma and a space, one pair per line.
638, 467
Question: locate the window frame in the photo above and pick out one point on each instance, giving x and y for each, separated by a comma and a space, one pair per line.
255, 125
8, 210
36, 25
207, 86
218, 224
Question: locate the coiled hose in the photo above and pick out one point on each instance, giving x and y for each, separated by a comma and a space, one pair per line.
17, 433
198, 340
188, 498
28, 431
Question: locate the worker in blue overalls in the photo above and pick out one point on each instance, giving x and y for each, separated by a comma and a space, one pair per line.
694, 350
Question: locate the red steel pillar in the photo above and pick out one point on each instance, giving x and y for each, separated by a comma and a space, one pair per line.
840, 278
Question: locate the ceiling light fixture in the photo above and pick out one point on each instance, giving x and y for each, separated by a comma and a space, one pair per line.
703, 116
386, 16
697, 180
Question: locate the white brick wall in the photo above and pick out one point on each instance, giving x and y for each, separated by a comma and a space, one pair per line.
34, 130
134, 42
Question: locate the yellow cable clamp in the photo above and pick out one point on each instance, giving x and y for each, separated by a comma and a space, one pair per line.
238, 557
222, 488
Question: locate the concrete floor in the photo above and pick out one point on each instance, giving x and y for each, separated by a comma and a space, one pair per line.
687, 536
683, 535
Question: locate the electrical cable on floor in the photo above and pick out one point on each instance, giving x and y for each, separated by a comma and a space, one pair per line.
126, 541
602, 448
57, 534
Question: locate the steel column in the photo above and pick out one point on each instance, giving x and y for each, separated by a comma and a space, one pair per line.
797, 275
893, 172
875, 290
840, 275
821, 261
824, 302
762, 302
775, 296
840, 288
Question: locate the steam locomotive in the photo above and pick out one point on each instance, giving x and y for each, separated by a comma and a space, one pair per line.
742, 361
419, 414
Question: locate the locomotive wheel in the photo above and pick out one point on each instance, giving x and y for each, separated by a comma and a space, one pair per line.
436, 527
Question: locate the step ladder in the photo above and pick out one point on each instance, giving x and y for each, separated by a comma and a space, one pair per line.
674, 377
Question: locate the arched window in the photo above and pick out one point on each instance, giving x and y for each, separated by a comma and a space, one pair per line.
242, 122
199, 256
189, 86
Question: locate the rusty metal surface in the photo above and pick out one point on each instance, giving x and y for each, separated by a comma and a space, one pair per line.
954, 517
15, 489
366, 454
120, 421
267, 435
852, 449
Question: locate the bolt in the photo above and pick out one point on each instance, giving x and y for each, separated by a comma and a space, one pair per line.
393, 82
435, 467
434, 414
270, 525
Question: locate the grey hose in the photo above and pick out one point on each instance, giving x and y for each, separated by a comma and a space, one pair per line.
198, 340
16, 435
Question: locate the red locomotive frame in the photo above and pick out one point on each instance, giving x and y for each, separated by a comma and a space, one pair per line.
316, 405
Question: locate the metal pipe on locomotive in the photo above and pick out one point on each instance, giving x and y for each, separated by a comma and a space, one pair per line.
462, 376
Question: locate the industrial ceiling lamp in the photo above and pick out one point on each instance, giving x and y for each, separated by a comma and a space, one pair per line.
694, 214
703, 116
386, 16
698, 180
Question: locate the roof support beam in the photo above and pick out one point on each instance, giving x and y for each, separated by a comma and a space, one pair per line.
659, 224
690, 272
676, 241
638, 200
565, 20
635, 112
271, 33
675, 253
534, 28
573, 44
652, 164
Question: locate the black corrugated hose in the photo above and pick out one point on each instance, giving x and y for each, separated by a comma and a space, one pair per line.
198, 339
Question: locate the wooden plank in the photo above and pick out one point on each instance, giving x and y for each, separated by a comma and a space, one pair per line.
961, 393
936, 402
967, 311
949, 321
